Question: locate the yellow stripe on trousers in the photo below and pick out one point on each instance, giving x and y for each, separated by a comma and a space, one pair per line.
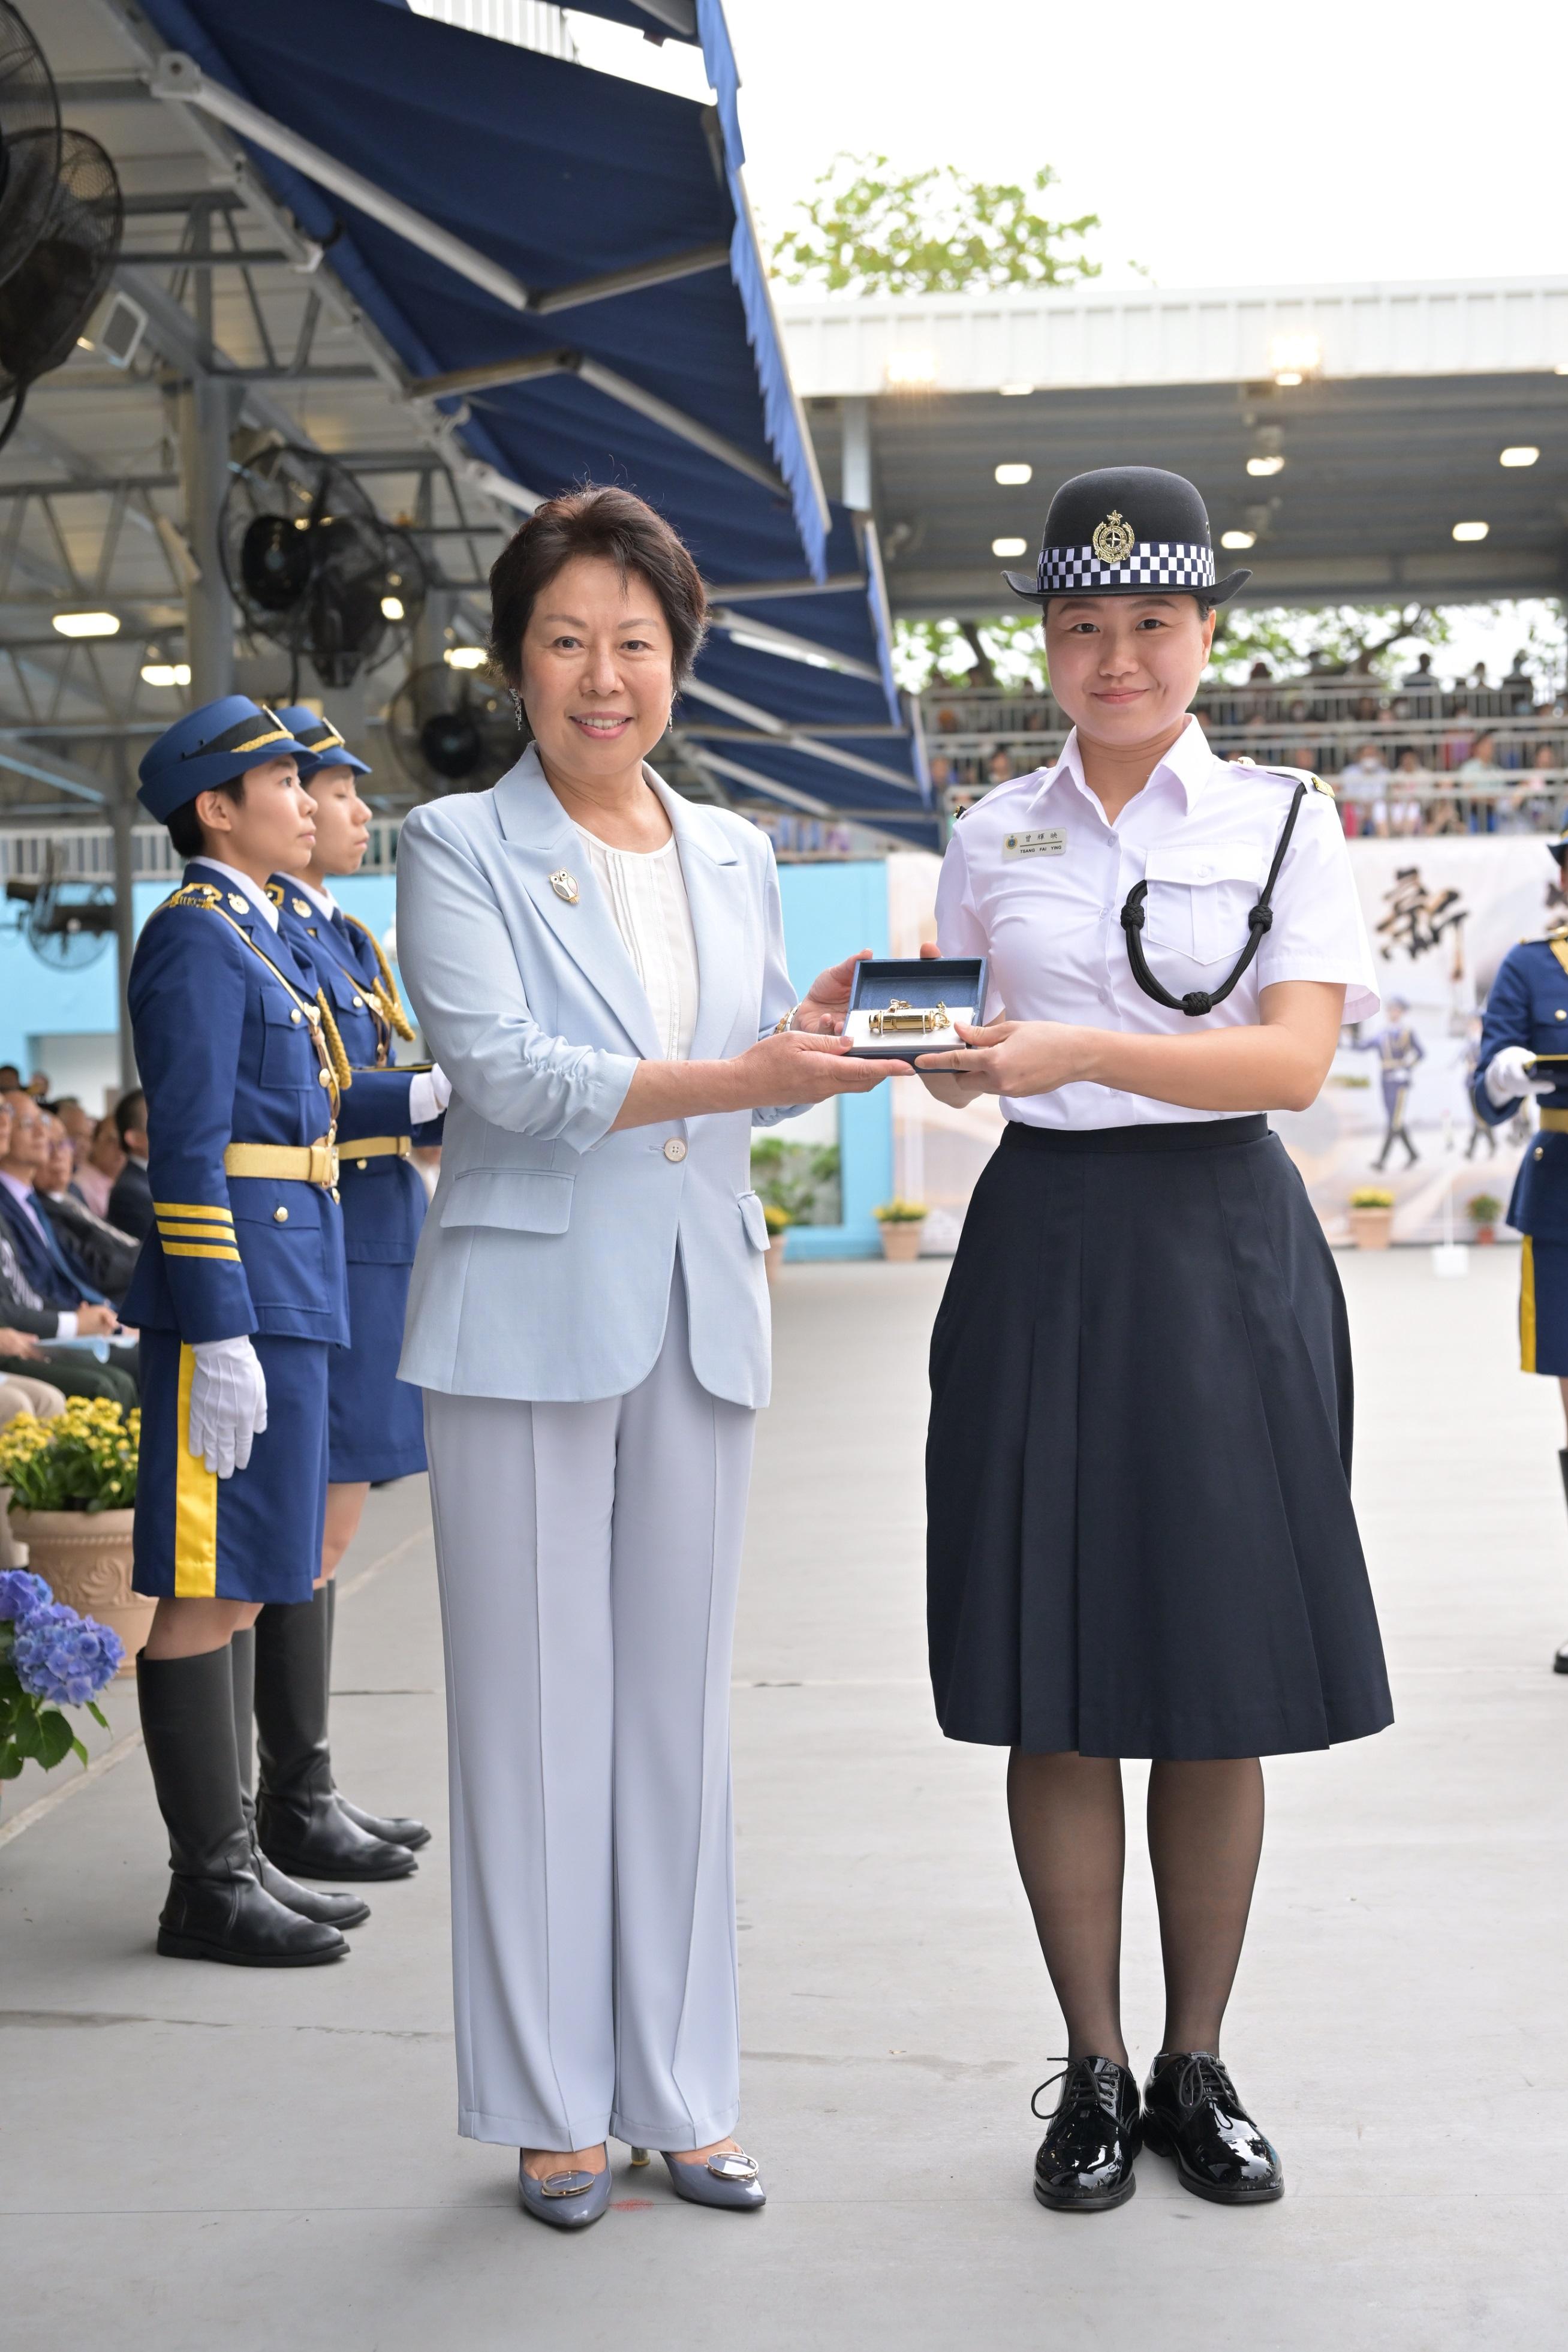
195, 1503
1527, 1309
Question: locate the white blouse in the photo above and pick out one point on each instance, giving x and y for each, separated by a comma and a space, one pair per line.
647, 896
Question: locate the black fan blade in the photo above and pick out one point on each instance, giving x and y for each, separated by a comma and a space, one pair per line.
50, 298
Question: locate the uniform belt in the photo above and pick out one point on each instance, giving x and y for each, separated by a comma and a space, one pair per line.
376, 1147
1555, 1122
298, 1163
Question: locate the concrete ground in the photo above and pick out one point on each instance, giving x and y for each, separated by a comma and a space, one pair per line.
198, 2155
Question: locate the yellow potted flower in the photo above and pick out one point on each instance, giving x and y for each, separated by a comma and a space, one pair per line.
72, 1485
901, 1224
1371, 1217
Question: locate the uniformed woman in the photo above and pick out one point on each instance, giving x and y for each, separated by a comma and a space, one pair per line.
1142, 1542
239, 1296
375, 1423
1523, 1053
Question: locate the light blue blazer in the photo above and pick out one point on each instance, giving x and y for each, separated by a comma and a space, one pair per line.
545, 1265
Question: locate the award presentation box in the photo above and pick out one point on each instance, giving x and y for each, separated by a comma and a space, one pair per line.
902, 1006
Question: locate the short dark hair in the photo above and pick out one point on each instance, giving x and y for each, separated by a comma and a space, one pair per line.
623, 529
131, 1110
185, 826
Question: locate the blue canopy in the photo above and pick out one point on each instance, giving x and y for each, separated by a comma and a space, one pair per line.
678, 388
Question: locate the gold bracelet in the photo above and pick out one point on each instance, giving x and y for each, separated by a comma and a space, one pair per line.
786, 1021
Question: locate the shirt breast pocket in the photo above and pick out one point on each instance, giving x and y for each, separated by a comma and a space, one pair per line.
1199, 898
287, 1056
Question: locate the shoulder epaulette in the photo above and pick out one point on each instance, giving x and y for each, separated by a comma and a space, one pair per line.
1290, 775
195, 894
275, 892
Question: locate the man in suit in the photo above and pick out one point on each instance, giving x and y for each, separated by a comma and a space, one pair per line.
131, 1202
40, 1295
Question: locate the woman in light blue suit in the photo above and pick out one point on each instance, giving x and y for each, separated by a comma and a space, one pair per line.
599, 966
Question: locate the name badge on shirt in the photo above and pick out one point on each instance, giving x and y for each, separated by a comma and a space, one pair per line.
1050, 844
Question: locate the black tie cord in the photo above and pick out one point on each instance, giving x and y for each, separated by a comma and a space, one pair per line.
1199, 1000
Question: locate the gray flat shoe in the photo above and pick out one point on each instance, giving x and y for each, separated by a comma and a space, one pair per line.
567, 2200
729, 2180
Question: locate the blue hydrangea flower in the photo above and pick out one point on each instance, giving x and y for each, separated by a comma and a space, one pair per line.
21, 1593
63, 1657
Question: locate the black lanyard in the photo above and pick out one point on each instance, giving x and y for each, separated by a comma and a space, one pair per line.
1199, 1000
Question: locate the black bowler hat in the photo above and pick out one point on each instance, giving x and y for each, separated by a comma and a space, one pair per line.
1126, 530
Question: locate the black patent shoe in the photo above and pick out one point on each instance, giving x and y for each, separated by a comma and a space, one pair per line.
1560, 1662
310, 1902
235, 1919
1192, 2114
1085, 2160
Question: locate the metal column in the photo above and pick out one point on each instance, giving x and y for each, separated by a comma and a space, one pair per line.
208, 413
121, 817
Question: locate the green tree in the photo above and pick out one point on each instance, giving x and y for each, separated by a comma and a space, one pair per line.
1005, 653
868, 230
1331, 641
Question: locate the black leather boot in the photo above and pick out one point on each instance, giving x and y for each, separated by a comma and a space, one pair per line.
302, 1827
1560, 1662
1191, 2114
398, 1829
1085, 2160
217, 1909
337, 1910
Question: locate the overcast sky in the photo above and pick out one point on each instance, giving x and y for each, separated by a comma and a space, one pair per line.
1221, 146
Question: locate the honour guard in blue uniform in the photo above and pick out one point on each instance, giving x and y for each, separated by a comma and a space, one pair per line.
1398, 1049
1524, 1053
375, 1422
240, 1296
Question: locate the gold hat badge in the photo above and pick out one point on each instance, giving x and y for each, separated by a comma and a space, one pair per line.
1113, 540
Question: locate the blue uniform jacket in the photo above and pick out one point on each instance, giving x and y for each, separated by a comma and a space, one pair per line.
384, 1199
58, 1277
1529, 1006
226, 1054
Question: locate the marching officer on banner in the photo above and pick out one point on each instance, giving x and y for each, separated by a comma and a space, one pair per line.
1398, 1049
1524, 1052
375, 1422
240, 1296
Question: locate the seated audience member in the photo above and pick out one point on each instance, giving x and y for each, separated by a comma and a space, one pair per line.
10, 1079
107, 1256
38, 1085
96, 1172
19, 1395
27, 1328
131, 1202
79, 1124
42, 1293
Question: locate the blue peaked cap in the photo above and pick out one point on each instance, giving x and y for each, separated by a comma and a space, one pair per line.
211, 746
321, 740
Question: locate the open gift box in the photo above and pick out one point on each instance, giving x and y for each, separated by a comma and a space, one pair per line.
901, 1006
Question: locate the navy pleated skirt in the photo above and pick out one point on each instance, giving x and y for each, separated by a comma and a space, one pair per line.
377, 1422
1142, 1541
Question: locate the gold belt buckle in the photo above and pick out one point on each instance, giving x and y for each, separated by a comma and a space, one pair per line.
323, 1164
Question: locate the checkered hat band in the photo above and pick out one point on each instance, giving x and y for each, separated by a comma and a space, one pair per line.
1153, 564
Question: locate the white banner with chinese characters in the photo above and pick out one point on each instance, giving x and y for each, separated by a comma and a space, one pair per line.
1441, 914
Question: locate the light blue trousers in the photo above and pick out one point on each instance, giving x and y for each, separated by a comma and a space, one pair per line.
589, 1555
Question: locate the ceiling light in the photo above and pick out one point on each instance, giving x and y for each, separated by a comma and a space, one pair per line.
466, 657
391, 608
1293, 357
160, 673
1015, 391
1522, 456
1009, 547
88, 625
1239, 539
1012, 475
1273, 463
910, 371
1465, 531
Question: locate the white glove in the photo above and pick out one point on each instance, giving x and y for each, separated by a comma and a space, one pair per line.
429, 1092
1508, 1076
228, 1404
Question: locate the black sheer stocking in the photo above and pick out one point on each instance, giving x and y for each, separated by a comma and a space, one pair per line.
1206, 1833
1069, 1837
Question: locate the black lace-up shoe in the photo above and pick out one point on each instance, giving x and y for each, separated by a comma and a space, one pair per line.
1192, 2114
1085, 2160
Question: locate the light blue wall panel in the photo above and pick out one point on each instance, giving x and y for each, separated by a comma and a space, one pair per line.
830, 911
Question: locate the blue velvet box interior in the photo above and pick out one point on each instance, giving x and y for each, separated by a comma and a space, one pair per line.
922, 982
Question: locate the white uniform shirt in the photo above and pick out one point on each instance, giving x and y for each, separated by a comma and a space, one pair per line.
647, 895
1035, 879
